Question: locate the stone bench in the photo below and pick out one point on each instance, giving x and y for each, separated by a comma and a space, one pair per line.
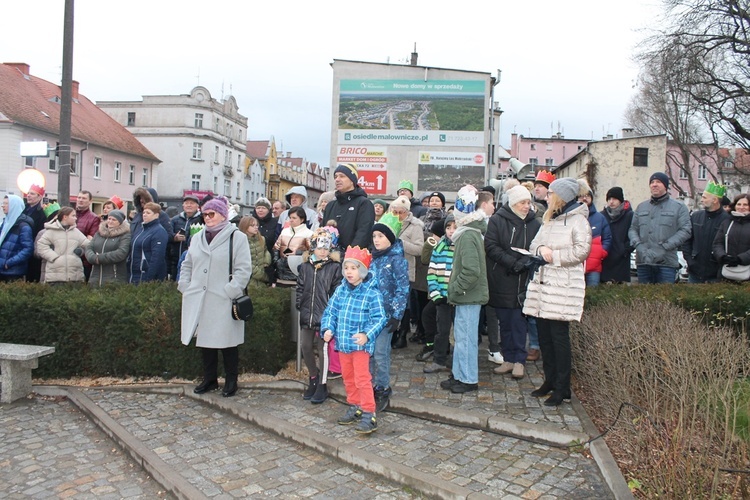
16, 363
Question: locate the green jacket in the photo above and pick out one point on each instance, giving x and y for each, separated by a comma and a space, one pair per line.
468, 283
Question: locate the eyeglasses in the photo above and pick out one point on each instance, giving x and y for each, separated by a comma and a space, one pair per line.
209, 215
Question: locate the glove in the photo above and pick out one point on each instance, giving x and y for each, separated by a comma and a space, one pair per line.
518, 267
78, 251
441, 300
731, 260
392, 324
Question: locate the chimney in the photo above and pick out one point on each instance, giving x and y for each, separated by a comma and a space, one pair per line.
74, 89
23, 68
414, 55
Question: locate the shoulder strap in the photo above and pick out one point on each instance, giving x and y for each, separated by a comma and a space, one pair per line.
726, 237
231, 245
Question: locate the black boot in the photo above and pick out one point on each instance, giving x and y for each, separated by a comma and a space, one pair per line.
543, 390
321, 394
230, 388
205, 386
311, 387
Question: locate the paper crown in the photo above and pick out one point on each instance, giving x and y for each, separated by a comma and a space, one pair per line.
117, 201
37, 189
545, 176
51, 209
405, 184
392, 222
360, 255
715, 189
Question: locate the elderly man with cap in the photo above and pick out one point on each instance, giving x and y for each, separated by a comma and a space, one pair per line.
660, 226
406, 188
619, 215
697, 250
181, 224
35, 211
351, 209
266, 221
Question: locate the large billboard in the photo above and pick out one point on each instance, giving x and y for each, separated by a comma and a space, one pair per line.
412, 112
449, 171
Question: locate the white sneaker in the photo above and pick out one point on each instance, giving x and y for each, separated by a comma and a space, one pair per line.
495, 357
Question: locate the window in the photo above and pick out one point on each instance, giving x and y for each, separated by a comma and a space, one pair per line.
239, 164
239, 135
683, 174
238, 191
29, 161
118, 171
196, 184
131, 119
52, 165
73, 163
702, 173
216, 154
549, 162
217, 124
532, 147
131, 175
197, 151
533, 162
227, 158
640, 157
247, 197
198, 120
216, 185
97, 168
227, 188
145, 177
549, 146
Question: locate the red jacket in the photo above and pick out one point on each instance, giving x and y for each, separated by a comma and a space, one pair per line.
87, 222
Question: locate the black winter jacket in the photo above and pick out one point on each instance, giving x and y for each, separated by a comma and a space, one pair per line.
697, 250
506, 274
267, 229
315, 285
739, 239
616, 266
354, 214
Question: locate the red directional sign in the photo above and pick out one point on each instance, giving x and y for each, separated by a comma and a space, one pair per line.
373, 181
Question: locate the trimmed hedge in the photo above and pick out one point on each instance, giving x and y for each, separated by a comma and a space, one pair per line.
126, 330
725, 303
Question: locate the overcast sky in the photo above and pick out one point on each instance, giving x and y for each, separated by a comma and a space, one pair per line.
566, 63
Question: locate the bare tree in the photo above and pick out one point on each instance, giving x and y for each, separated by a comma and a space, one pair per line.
662, 105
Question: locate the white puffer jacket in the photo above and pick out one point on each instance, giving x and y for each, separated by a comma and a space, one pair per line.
557, 290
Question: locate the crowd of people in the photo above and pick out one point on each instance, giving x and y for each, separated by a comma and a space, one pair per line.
371, 276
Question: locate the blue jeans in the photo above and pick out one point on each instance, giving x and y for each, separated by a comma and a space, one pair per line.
648, 274
513, 328
380, 361
466, 350
533, 333
593, 278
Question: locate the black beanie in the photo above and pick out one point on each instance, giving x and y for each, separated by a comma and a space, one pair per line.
438, 228
616, 192
661, 177
387, 231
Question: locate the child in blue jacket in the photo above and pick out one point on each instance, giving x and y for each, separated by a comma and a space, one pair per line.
391, 271
354, 317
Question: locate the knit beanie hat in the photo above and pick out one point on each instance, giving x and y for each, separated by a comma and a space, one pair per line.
360, 256
466, 200
389, 225
566, 188
381, 203
584, 189
616, 193
438, 228
518, 194
218, 205
325, 237
401, 202
439, 195
349, 170
263, 202
661, 177
116, 214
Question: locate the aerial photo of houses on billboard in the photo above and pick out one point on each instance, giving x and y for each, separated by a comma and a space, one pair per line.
415, 112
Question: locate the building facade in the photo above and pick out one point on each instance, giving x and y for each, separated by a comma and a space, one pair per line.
201, 141
106, 159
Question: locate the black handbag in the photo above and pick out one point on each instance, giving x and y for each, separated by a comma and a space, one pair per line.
242, 306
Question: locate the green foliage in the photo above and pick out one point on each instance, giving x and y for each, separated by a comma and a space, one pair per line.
719, 304
124, 330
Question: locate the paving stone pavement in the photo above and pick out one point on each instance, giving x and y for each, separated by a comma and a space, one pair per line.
49, 449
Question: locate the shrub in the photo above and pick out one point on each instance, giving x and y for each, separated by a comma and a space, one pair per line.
124, 330
681, 376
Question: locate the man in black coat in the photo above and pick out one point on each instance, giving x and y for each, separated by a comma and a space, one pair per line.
697, 251
353, 212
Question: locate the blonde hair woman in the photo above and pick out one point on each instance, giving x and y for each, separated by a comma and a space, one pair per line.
555, 294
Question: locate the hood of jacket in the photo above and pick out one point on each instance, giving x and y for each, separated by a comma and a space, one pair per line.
15, 209
300, 190
142, 195
56, 225
108, 232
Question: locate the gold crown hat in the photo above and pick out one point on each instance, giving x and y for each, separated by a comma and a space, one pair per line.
717, 190
359, 255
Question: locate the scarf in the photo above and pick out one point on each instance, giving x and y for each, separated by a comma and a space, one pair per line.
213, 231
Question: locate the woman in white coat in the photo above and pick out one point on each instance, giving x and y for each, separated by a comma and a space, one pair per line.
556, 292
207, 294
